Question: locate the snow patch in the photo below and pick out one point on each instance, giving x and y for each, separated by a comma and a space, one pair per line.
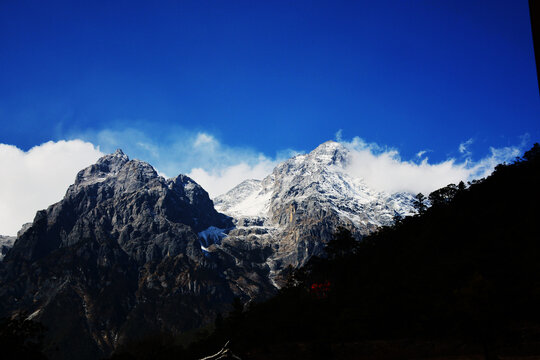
212, 235
253, 205
33, 315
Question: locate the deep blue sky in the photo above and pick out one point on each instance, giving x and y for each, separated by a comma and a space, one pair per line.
271, 75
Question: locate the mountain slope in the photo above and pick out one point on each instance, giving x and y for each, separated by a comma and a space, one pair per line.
461, 280
293, 212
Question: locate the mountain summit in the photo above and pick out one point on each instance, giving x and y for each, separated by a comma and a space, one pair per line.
125, 200
297, 208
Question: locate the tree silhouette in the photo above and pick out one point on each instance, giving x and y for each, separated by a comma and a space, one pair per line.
420, 203
533, 153
443, 195
21, 338
342, 244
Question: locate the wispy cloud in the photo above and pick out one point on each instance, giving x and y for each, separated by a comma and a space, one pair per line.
464, 147
204, 139
214, 165
422, 153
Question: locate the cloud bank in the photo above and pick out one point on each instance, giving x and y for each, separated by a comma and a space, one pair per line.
383, 169
219, 181
216, 166
234, 166
37, 178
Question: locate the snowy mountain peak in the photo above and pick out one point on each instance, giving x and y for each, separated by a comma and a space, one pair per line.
115, 167
247, 199
328, 146
326, 156
296, 209
319, 175
330, 153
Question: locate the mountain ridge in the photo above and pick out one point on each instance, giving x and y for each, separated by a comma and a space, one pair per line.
127, 252
120, 256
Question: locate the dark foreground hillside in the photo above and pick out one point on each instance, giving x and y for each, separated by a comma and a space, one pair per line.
461, 280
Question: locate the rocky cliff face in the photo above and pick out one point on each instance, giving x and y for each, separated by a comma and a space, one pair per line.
120, 256
291, 214
6, 243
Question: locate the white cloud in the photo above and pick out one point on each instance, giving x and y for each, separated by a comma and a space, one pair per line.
204, 139
421, 153
151, 149
37, 178
216, 166
219, 181
485, 166
383, 169
464, 147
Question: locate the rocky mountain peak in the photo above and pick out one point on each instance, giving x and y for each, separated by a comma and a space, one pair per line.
121, 253
319, 161
329, 146
116, 168
117, 158
124, 199
296, 209
107, 165
330, 153
191, 192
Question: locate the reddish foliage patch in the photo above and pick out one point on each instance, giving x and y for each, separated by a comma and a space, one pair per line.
320, 290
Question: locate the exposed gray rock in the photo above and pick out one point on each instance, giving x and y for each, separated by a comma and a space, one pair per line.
6, 243
119, 257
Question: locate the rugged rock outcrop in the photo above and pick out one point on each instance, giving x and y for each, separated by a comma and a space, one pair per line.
119, 257
6, 243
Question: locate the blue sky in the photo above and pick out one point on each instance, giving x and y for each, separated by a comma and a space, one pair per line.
412, 75
257, 81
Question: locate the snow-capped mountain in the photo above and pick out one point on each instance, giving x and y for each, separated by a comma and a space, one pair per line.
296, 209
321, 174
